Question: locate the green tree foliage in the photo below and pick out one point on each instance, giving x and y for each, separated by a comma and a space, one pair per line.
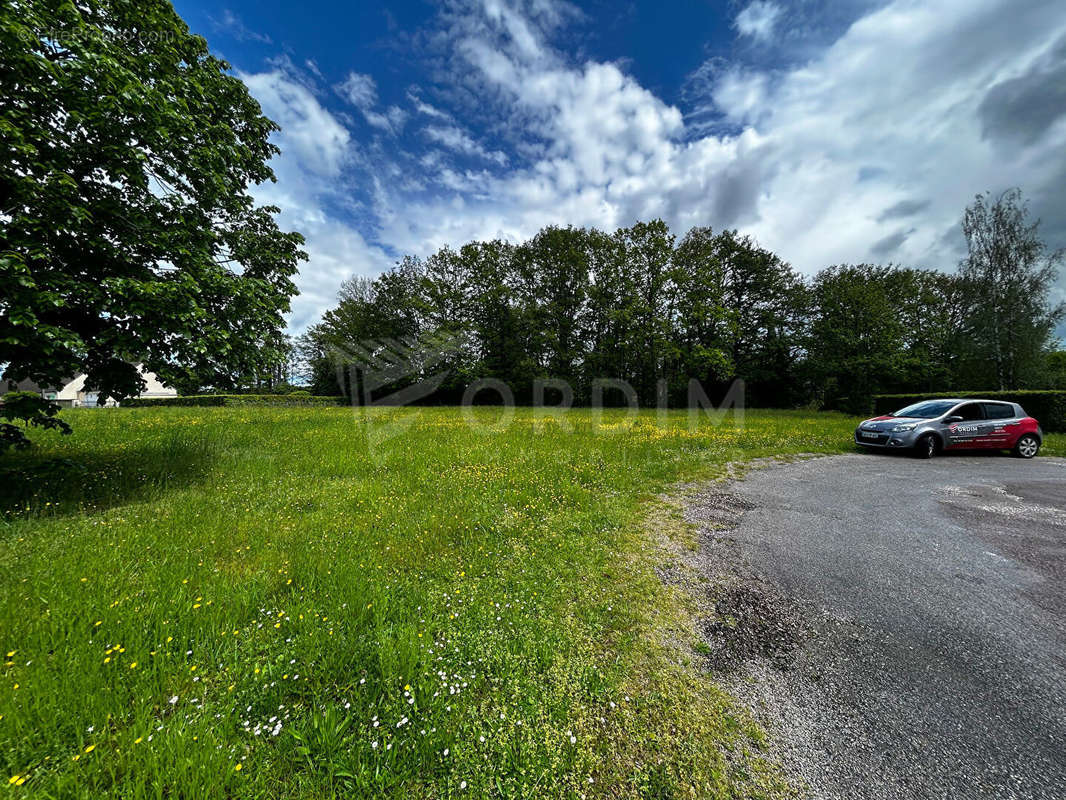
856, 334
931, 309
877, 329
765, 301
552, 272
578, 305
128, 232
701, 324
1056, 369
1008, 274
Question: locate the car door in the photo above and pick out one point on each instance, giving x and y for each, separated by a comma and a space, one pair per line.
1002, 425
968, 431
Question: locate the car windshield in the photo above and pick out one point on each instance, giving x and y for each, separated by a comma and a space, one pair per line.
927, 409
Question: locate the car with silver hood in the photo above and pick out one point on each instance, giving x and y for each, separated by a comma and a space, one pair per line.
932, 426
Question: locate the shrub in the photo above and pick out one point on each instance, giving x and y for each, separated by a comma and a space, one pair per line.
180, 400
1048, 406
294, 399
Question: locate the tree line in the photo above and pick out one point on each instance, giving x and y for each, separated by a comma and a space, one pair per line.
643, 305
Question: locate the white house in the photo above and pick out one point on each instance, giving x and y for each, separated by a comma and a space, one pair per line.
73, 394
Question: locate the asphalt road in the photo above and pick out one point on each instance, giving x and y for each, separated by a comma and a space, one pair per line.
929, 599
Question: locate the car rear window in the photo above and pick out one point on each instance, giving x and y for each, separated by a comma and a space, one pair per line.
998, 411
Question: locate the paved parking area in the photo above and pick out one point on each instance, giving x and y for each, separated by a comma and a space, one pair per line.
933, 660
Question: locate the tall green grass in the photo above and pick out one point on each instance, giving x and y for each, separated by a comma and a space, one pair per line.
265, 602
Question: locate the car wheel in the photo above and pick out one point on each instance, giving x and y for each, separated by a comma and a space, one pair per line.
1027, 446
927, 447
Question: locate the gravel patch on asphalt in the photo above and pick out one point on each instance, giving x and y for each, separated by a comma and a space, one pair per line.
897, 626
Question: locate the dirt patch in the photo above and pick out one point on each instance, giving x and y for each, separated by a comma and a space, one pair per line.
751, 621
717, 511
745, 616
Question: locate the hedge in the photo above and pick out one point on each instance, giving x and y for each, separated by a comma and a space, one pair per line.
1047, 406
295, 399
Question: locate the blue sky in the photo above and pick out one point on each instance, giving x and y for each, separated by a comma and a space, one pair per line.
832, 131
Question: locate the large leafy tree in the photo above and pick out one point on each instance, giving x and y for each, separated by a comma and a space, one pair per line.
127, 230
1009, 272
931, 309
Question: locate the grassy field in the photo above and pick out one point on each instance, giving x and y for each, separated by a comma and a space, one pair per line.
296, 603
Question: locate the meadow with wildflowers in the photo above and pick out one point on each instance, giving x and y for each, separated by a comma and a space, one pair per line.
279, 602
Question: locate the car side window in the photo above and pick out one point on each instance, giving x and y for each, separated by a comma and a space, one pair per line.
970, 412
998, 411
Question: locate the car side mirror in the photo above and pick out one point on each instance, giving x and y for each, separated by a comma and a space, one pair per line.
952, 419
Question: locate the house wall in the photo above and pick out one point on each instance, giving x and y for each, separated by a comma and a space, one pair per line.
74, 394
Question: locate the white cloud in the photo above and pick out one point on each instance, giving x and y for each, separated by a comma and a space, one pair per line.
455, 138
757, 20
335, 252
317, 140
867, 151
910, 129
885, 114
359, 90
362, 92
316, 155
602, 150
425, 108
391, 121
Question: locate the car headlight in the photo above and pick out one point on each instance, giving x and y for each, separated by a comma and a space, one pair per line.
905, 428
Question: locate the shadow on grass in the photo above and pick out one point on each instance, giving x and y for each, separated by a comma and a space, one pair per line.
36, 483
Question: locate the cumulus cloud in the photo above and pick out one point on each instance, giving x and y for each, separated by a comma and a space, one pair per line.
819, 160
911, 128
316, 140
869, 148
459, 140
359, 90
317, 154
